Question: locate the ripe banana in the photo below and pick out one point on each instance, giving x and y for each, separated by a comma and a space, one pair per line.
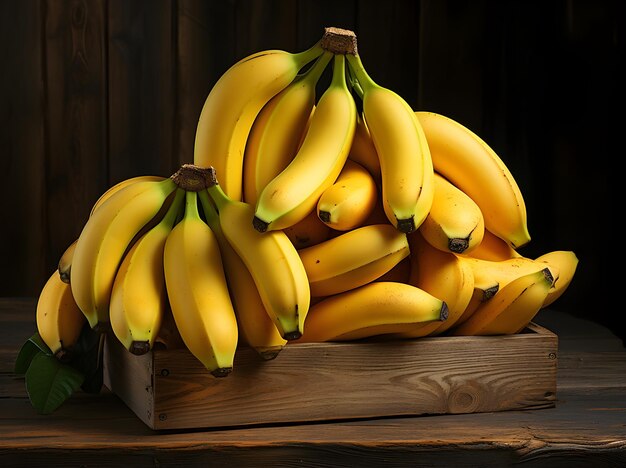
293, 193
348, 202
106, 236
405, 161
493, 248
310, 231
566, 263
377, 308
442, 274
469, 163
256, 328
363, 150
278, 130
511, 309
271, 259
455, 222
233, 104
59, 320
353, 258
138, 297
198, 292
65, 262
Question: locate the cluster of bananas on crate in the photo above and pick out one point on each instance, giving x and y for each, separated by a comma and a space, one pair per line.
306, 217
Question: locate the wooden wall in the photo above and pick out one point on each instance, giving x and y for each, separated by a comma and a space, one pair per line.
96, 91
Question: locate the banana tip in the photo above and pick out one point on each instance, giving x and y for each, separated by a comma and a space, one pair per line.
293, 335
259, 224
457, 245
221, 371
139, 348
406, 226
443, 314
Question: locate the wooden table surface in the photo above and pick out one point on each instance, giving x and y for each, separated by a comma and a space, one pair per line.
587, 427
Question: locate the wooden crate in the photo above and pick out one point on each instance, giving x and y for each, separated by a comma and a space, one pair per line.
169, 389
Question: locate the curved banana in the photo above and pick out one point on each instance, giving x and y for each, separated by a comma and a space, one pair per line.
59, 319
405, 161
512, 308
363, 150
348, 202
138, 297
493, 248
271, 259
256, 329
65, 262
106, 236
294, 192
198, 292
469, 163
455, 222
233, 104
566, 263
353, 258
443, 275
278, 130
377, 308
310, 231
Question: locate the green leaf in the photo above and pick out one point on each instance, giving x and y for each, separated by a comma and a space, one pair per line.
27, 353
50, 383
39, 342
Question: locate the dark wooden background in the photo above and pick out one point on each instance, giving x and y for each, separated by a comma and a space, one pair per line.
96, 91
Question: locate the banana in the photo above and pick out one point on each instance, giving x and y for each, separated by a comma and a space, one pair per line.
278, 130
310, 231
407, 175
59, 319
455, 222
442, 274
363, 150
470, 164
493, 248
349, 201
294, 192
233, 104
271, 259
256, 329
198, 292
377, 308
138, 297
566, 263
511, 309
104, 239
65, 262
353, 259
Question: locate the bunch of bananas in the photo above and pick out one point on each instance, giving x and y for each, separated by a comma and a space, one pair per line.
306, 218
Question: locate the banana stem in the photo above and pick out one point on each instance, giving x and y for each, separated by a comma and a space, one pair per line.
339, 71
354, 83
215, 191
173, 211
210, 211
315, 72
364, 80
191, 205
307, 56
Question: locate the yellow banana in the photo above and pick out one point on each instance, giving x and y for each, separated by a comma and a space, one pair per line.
138, 297
493, 248
294, 192
363, 150
405, 161
198, 292
104, 239
65, 262
278, 130
469, 163
512, 308
566, 263
353, 258
310, 231
443, 275
377, 308
256, 328
349, 201
271, 259
59, 320
233, 104
455, 222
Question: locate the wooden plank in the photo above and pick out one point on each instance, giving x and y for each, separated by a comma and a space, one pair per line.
142, 93
23, 193
75, 118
